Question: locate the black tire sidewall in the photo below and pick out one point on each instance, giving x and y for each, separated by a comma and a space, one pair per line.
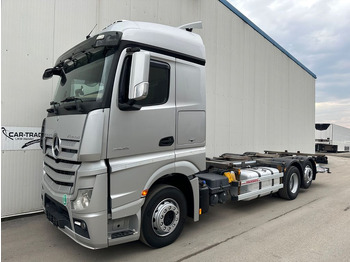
291, 171
157, 195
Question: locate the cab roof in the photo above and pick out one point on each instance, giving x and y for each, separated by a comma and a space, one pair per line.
161, 36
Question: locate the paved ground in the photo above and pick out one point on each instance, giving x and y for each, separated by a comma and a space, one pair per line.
313, 227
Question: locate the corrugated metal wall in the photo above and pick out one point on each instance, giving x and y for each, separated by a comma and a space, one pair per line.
33, 34
257, 98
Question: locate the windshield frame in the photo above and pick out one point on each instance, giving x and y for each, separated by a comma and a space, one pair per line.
85, 82
75, 105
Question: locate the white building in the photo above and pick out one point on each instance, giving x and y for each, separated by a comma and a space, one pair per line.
258, 95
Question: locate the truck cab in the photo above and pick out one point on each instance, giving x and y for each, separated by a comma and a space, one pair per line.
127, 122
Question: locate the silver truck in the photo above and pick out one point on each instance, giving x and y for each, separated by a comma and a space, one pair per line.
124, 141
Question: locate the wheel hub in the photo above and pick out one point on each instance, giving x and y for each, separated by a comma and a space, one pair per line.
308, 174
165, 217
294, 182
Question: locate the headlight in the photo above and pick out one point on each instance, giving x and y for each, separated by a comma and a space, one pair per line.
83, 199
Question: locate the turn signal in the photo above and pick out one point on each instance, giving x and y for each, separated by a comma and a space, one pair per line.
144, 192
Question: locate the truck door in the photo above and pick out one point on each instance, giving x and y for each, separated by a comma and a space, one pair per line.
141, 141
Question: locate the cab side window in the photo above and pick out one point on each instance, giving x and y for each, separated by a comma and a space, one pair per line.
159, 79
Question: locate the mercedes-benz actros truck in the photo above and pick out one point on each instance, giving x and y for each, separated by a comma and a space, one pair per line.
124, 141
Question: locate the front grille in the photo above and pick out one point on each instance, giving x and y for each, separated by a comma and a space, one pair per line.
69, 149
60, 172
63, 161
69, 173
59, 182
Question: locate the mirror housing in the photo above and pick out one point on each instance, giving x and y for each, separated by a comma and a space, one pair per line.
139, 74
48, 73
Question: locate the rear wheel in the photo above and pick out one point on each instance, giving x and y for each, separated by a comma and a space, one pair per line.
291, 184
163, 216
308, 175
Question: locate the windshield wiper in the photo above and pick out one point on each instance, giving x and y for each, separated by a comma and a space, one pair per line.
76, 105
70, 99
54, 109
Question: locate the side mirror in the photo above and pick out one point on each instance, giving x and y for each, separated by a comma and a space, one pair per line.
55, 71
48, 73
139, 73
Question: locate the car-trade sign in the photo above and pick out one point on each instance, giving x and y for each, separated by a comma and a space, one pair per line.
20, 138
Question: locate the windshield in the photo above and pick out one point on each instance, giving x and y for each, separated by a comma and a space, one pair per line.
85, 77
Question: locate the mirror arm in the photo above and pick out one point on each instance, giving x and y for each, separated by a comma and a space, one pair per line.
63, 77
129, 106
133, 50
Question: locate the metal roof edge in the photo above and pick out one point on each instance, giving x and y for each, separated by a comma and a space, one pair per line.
268, 38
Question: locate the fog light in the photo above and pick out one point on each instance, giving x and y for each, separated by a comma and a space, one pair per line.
83, 199
80, 224
80, 227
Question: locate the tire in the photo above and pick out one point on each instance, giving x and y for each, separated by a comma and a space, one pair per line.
163, 216
291, 184
307, 175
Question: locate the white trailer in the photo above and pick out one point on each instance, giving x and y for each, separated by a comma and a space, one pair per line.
331, 138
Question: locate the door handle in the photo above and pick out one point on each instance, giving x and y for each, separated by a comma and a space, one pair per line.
166, 141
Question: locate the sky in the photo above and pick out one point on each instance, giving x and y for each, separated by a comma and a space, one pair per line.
317, 33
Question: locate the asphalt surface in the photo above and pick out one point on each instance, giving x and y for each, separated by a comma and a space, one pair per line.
313, 227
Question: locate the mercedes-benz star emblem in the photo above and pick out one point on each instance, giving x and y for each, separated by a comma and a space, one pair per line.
56, 146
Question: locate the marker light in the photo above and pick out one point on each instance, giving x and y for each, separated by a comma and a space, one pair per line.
100, 37
144, 192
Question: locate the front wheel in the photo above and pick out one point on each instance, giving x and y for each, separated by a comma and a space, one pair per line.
291, 184
163, 216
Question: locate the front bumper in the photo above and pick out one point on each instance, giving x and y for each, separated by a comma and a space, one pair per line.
86, 227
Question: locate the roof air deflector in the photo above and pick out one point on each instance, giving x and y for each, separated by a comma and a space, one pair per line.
189, 27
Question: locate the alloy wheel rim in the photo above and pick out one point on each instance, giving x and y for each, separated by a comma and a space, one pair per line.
165, 217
